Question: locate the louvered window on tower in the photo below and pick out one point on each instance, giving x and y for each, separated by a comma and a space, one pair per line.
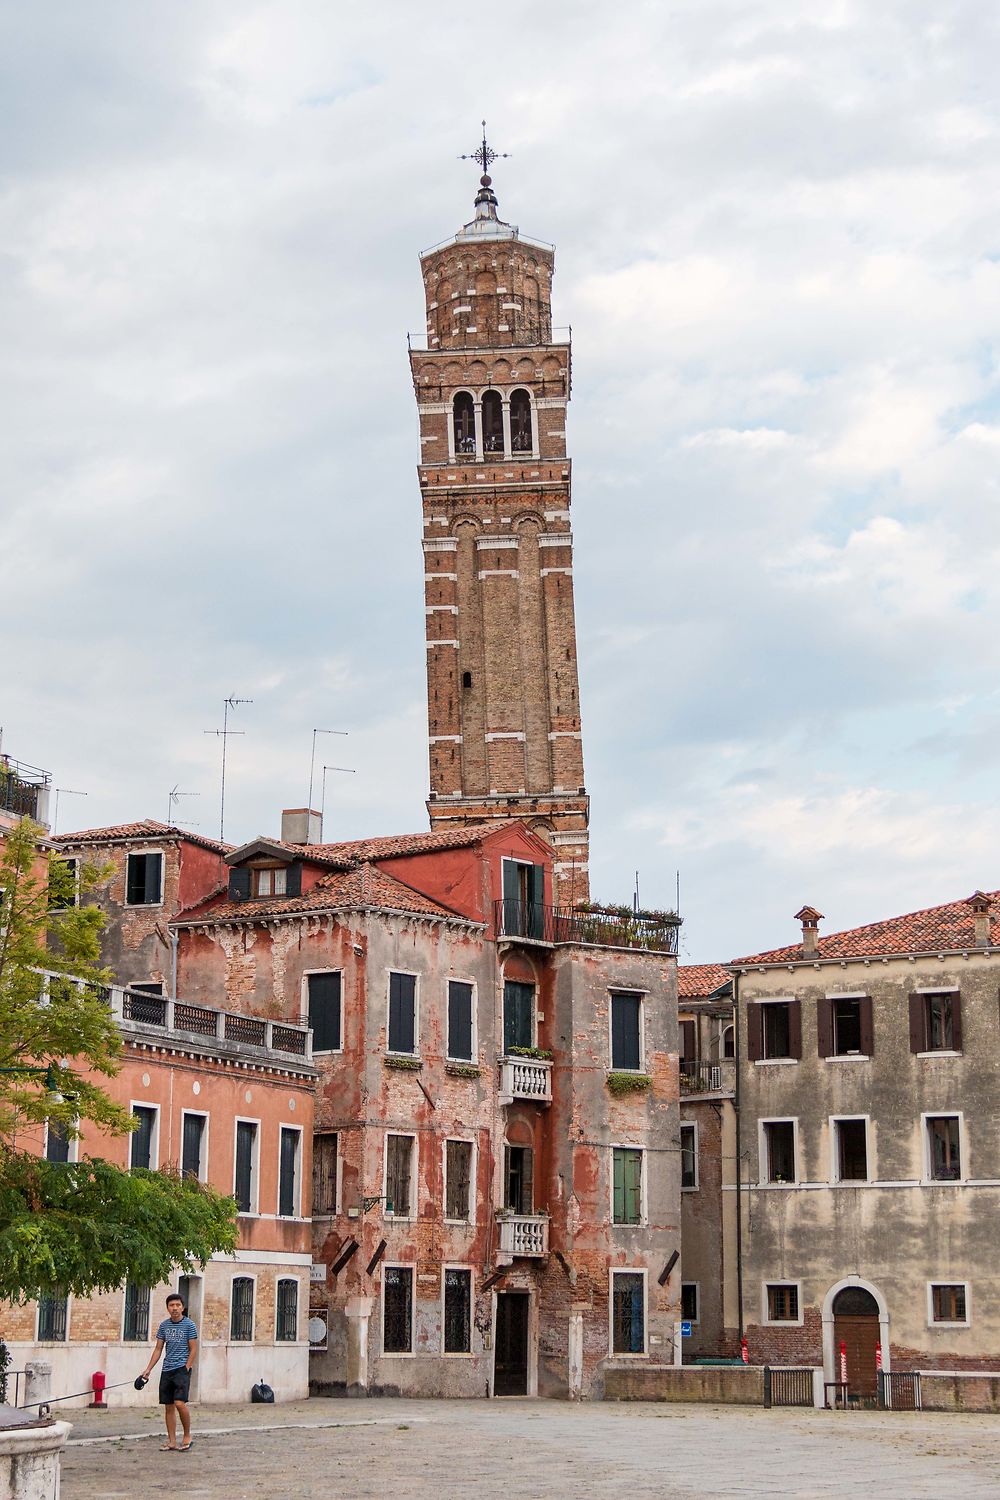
492, 422
520, 422
465, 423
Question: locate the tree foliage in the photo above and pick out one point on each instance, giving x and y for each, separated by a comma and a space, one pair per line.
84, 1226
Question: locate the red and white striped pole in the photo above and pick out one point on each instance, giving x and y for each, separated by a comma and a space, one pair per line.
878, 1356
744, 1351
843, 1363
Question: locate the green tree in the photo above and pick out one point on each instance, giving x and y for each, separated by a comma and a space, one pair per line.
89, 1225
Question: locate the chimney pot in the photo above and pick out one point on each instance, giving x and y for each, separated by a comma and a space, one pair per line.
981, 918
810, 919
300, 825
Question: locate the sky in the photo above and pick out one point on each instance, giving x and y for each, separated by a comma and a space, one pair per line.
778, 246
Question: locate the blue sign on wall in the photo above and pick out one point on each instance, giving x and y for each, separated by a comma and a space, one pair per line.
685, 1330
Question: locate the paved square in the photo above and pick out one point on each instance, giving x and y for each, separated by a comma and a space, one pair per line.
502, 1450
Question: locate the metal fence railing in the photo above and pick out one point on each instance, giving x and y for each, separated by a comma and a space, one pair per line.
899, 1390
788, 1386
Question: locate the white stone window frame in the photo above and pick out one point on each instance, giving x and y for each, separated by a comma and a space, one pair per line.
507, 455
774, 1062
465, 1140
395, 1217
304, 1008
464, 1061
835, 1177
202, 1114
145, 905
288, 1343
617, 1271
73, 1145
782, 1281
154, 1138
627, 990
297, 1215
458, 1265
384, 1353
965, 1322
925, 991
693, 1126
643, 1221
846, 1057
407, 974
242, 1274
763, 1156
55, 1343
928, 1180
253, 1212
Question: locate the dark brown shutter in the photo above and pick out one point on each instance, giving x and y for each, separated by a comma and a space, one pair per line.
755, 1031
956, 1022
824, 1026
795, 1028
917, 1023
239, 885
293, 879
867, 1028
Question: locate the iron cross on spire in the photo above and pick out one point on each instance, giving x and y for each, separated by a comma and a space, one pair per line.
485, 154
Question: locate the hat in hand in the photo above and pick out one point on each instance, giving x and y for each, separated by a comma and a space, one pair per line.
140, 1381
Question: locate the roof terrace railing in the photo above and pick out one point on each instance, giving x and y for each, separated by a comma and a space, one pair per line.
21, 787
530, 921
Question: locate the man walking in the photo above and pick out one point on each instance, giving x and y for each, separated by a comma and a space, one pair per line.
178, 1337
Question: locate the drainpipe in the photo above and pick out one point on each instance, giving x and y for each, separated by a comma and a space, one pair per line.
174, 939
739, 1152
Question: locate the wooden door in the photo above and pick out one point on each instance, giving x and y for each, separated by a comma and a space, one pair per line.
510, 1374
859, 1333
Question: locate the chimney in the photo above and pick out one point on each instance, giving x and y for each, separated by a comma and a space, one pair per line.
980, 904
300, 825
810, 919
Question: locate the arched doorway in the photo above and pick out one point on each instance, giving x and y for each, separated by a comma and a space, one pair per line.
857, 1332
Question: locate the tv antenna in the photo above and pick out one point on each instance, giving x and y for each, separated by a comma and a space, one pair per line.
231, 702
312, 762
63, 791
348, 771
173, 797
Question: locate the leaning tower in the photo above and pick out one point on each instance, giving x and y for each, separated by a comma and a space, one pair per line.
492, 386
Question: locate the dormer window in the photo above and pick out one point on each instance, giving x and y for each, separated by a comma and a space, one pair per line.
269, 881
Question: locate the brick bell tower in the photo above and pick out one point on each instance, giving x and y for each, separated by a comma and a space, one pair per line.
492, 388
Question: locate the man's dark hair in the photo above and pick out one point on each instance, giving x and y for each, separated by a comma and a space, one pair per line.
175, 1297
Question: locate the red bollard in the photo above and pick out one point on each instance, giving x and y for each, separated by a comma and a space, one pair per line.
99, 1380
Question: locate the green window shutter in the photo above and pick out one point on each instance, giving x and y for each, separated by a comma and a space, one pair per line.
633, 1187
618, 1196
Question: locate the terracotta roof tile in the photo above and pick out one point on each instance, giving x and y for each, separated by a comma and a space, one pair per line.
147, 828
698, 981
364, 885
935, 929
355, 851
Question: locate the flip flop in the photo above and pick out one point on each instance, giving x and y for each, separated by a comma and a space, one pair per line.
168, 1447
185, 1446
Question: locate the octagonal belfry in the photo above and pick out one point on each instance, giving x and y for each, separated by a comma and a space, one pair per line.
492, 385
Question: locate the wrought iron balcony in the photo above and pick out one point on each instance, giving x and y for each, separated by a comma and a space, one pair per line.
708, 1077
23, 789
526, 1078
601, 927
523, 1234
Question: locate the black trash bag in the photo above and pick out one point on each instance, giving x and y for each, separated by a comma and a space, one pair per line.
261, 1394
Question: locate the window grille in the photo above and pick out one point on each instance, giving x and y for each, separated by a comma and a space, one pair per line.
397, 1310
628, 1313
457, 1311
136, 1327
52, 1317
287, 1325
241, 1322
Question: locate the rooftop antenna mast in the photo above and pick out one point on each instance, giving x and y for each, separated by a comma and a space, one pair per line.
231, 702
173, 797
348, 770
62, 791
312, 762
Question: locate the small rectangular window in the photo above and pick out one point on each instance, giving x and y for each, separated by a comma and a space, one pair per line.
689, 1301
940, 1031
135, 1329
782, 1303
325, 1173
241, 1319
626, 1032
193, 1147
458, 1179
846, 1025
779, 1150
944, 1147
518, 1015
324, 1001
64, 883
56, 1142
141, 1143
628, 1313
626, 1202
245, 1190
936, 1021
460, 1020
288, 1172
269, 882
286, 1328
52, 1319
397, 1310
518, 1174
457, 1311
851, 1146
948, 1303
689, 1156
398, 1174
402, 1013
143, 879
777, 1029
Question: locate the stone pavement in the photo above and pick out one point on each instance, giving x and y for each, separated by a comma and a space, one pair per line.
503, 1450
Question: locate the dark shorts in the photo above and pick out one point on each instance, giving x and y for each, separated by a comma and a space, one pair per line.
174, 1386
